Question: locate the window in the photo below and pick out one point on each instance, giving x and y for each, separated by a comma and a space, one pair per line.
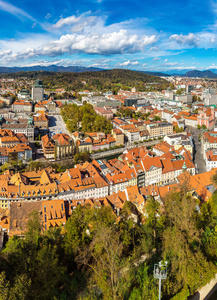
62, 207
45, 218
45, 208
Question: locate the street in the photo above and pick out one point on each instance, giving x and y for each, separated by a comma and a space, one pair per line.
57, 125
198, 157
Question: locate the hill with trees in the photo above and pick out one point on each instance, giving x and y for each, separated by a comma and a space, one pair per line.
201, 74
102, 81
98, 255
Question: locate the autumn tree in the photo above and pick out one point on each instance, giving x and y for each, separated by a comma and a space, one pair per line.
189, 267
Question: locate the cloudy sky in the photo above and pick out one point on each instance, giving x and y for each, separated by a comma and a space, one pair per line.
140, 35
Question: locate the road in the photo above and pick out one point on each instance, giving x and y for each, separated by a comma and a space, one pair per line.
57, 125
198, 157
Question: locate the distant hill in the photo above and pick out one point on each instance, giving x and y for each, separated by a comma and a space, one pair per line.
105, 80
201, 74
212, 73
155, 73
52, 68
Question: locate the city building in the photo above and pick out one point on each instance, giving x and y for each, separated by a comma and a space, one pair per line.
64, 146
211, 159
48, 146
159, 129
107, 113
118, 136
18, 125
38, 91
41, 120
22, 106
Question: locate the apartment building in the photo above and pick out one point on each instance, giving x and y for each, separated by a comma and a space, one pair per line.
208, 142
211, 159
159, 129
118, 136
48, 146
153, 170
23, 126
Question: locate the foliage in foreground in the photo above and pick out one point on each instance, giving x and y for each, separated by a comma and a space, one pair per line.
100, 256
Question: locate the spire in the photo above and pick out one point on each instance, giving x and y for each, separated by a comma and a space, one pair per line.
184, 167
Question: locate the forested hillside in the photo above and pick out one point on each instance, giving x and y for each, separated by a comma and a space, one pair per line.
99, 256
96, 81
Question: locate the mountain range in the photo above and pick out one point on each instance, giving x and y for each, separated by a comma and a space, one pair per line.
211, 73
52, 68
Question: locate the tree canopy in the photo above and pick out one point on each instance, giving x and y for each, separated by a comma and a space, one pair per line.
84, 118
99, 255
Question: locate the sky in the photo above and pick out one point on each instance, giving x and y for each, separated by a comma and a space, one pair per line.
138, 35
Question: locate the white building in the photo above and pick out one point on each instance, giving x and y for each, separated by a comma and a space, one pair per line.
211, 159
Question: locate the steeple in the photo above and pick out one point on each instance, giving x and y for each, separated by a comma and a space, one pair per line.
184, 167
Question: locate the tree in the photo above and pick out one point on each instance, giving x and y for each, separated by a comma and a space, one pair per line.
33, 227
188, 265
81, 157
153, 224
77, 231
157, 118
145, 288
178, 92
4, 286
104, 258
172, 86
194, 98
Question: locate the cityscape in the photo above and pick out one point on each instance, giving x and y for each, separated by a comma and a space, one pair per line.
108, 150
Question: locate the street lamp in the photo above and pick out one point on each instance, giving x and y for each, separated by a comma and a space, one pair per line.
160, 272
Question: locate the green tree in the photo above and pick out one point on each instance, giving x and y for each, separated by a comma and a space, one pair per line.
178, 92
81, 157
145, 288
189, 268
157, 118
34, 227
4, 286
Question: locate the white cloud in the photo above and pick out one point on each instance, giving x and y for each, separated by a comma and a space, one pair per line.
185, 40
67, 21
106, 44
48, 16
144, 64
213, 66
166, 60
183, 68
128, 63
5, 53
170, 64
45, 63
154, 49
16, 11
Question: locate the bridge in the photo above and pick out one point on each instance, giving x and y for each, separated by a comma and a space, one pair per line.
114, 152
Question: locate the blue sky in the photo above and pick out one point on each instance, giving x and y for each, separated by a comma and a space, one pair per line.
140, 35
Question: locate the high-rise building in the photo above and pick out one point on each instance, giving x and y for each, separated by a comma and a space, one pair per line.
38, 91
